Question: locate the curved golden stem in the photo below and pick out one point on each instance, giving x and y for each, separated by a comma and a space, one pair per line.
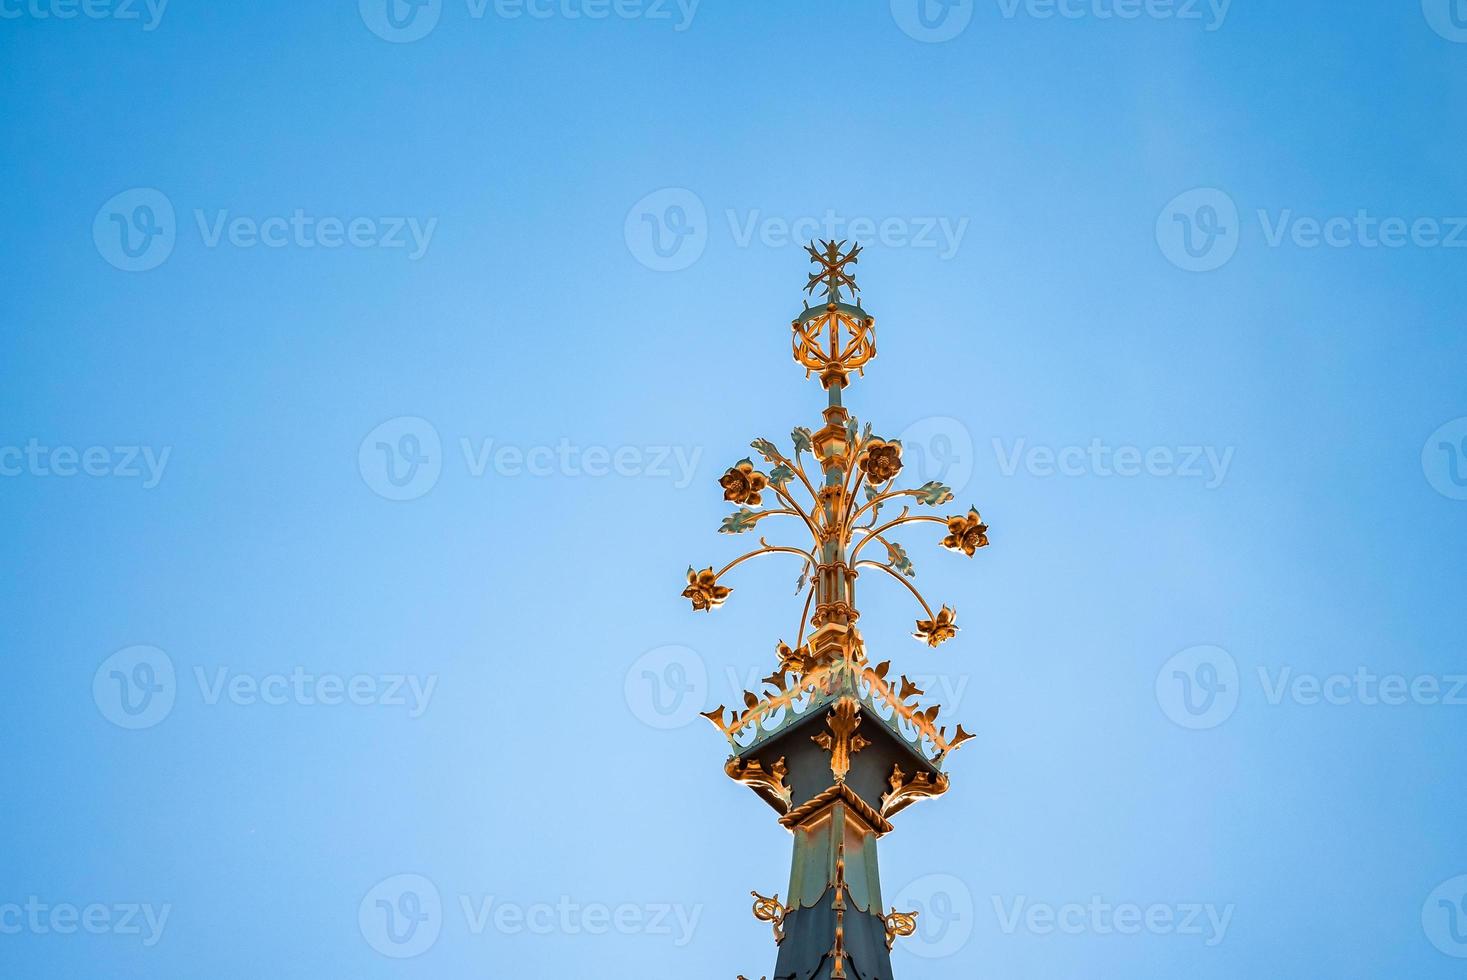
878, 500
852, 510
759, 515
799, 469
903, 519
768, 549
797, 509
900, 578
882, 539
853, 475
804, 613
799, 462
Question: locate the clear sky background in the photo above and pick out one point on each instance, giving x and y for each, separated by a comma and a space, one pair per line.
1089, 244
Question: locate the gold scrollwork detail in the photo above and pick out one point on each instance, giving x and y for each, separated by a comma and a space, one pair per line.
770, 785
908, 790
773, 911
899, 924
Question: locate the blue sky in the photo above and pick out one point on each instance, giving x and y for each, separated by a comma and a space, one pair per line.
366, 377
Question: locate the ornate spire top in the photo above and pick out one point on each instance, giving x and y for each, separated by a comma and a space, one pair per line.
838, 337
836, 483
839, 483
833, 272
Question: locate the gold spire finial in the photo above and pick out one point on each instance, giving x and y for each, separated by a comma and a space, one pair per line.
838, 337
833, 272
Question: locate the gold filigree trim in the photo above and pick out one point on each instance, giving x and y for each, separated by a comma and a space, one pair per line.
922, 719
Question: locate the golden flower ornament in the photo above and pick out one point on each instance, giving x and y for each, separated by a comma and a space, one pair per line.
934, 631
966, 533
742, 484
704, 591
881, 460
